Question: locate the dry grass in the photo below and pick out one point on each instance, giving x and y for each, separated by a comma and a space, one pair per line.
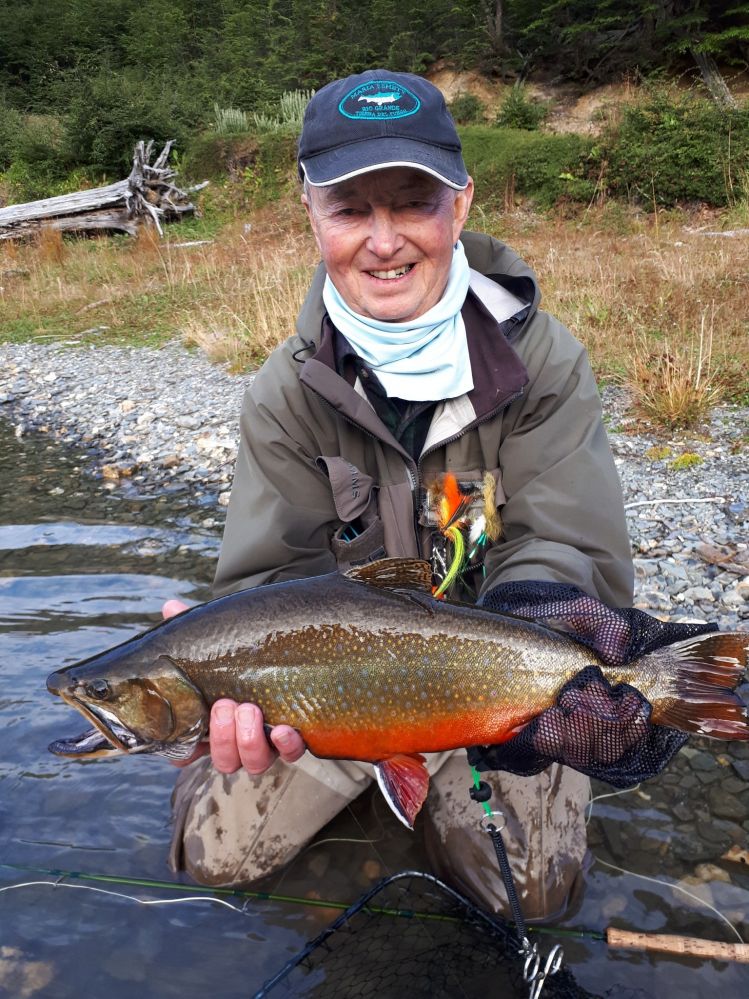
249, 306
658, 305
674, 385
237, 297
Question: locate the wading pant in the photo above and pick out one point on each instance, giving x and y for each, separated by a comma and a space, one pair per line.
234, 829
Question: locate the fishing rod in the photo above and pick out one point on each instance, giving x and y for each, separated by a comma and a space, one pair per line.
612, 936
264, 896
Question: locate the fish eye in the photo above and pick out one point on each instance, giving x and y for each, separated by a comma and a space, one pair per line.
98, 689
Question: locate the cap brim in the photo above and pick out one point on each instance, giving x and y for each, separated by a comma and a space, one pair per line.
356, 158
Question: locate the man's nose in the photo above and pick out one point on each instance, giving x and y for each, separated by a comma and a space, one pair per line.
384, 238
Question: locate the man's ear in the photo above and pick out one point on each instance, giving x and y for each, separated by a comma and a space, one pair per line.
311, 216
461, 207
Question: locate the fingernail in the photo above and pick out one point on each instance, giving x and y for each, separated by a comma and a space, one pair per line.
285, 741
224, 714
246, 717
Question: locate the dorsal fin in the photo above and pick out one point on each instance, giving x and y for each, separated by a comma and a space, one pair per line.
395, 574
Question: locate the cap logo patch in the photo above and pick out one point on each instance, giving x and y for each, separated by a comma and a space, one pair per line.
379, 99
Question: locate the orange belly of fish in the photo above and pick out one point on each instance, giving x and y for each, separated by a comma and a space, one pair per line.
459, 729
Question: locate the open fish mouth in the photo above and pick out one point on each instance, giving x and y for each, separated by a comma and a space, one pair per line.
109, 737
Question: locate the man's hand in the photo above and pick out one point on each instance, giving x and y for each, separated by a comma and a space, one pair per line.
236, 733
600, 730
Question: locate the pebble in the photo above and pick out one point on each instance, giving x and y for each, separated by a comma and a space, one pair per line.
710, 872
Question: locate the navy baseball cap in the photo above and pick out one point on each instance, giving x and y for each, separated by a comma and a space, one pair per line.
379, 119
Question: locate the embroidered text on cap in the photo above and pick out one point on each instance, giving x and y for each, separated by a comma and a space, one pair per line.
378, 100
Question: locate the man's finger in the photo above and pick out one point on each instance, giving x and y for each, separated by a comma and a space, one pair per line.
172, 607
288, 742
254, 752
223, 737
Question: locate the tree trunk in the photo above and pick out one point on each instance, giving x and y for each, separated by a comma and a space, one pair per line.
716, 85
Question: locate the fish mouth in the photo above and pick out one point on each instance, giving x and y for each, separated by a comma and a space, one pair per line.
108, 737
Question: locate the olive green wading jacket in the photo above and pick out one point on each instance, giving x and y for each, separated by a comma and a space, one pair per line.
315, 457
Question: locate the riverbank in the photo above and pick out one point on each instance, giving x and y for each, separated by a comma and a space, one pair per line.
167, 420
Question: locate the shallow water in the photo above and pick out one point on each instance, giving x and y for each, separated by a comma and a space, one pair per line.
82, 569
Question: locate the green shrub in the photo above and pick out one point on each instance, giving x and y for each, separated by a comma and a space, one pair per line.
228, 121
542, 167
519, 111
111, 113
466, 109
286, 115
40, 164
264, 165
11, 125
670, 149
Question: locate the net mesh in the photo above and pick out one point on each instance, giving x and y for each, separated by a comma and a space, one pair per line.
413, 936
618, 635
600, 730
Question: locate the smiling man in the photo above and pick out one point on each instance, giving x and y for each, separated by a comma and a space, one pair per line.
420, 351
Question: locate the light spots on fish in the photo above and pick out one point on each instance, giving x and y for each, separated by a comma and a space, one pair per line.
365, 684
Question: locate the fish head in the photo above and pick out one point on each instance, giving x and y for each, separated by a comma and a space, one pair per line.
135, 706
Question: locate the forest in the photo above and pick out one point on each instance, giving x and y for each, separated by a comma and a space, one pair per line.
81, 80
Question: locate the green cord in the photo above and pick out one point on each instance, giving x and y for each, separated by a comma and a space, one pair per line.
476, 783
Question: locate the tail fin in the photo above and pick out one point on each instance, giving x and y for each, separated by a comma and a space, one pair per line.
706, 672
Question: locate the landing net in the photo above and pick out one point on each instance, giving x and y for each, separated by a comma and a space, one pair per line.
438, 946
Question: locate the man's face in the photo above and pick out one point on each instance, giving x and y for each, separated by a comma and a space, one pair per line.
387, 239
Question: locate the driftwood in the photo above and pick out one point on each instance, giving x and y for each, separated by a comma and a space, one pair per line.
148, 194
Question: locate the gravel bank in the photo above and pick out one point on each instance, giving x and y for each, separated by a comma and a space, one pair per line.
167, 419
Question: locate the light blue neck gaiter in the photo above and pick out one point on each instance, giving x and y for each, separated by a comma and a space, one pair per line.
422, 360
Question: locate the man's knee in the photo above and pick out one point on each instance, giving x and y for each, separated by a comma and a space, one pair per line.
544, 834
236, 828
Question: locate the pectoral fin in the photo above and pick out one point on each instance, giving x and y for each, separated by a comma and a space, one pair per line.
404, 781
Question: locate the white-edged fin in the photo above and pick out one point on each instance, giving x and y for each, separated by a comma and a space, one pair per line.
404, 782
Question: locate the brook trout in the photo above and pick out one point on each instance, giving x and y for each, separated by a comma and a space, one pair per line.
368, 665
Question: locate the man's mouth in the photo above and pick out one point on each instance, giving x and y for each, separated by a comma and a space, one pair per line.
392, 274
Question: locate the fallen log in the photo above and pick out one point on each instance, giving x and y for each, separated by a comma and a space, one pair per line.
147, 194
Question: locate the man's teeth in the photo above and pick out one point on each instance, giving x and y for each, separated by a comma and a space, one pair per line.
389, 275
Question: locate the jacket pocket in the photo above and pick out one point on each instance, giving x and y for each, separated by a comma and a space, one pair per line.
361, 536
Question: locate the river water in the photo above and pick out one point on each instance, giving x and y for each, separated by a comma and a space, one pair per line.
81, 569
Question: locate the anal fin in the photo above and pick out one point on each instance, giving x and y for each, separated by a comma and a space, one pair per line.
404, 782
